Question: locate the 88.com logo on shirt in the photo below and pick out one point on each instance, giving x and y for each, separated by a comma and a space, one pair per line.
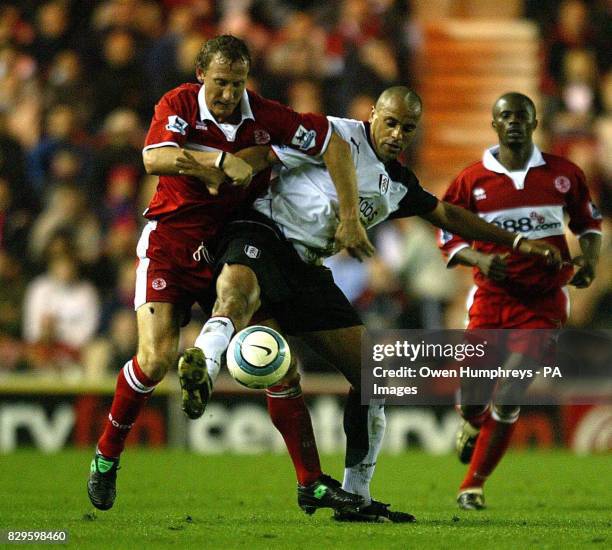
534, 223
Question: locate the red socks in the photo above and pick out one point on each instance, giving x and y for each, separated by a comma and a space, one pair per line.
491, 446
291, 417
131, 393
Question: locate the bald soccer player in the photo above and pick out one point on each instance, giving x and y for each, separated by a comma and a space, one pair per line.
272, 260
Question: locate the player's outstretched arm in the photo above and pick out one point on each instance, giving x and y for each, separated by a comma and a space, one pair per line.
210, 167
350, 233
491, 265
468, 225
258, 157
590, 245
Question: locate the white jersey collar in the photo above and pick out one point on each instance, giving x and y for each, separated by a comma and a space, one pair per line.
490, 162
228, 129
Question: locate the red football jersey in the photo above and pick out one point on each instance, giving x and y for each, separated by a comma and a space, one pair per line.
533, 202
182, 119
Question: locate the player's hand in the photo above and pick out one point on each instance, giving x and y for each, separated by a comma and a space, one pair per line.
493, 266
585, 274
236, 169
547, 251
188, 165
351, 235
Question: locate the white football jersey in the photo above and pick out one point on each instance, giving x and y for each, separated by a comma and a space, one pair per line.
303, 201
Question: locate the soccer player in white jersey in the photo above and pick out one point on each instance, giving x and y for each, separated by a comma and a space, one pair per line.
517, 187
273, 258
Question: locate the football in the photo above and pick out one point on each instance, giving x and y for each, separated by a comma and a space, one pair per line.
258, 357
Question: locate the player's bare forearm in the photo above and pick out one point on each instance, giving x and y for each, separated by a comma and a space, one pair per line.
339, 163
225, 164
462, 222
491, 265
467, 256
350, 233
161, 161
259, 157
590, 245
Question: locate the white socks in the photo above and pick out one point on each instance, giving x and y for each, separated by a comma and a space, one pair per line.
213, 340
357, 478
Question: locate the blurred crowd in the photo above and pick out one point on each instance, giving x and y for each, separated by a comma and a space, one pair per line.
78, 82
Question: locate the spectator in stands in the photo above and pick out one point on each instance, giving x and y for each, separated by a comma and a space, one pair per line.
12, 289
180, 64
19, 203
20, 95
114, 14
577, 103
61, 133
572, 31
67, 84
113, 348
383, 302
360, 106
305, 96
299, 50
408, 248
67, 210
603, 133
120, 148
160, 57
119, 79
370, 69
52, 32
14, 221
61, 312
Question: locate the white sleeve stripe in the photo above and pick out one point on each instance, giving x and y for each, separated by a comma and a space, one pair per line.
161, 144
454, 251
198, 147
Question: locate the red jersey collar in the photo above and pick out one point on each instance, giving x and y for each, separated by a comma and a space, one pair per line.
245, 107
490, 162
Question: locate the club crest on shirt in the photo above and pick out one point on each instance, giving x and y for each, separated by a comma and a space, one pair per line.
261, 137
537, 217
479, 194
304, 139
562, 184
252, 251
158, 284
383, 184
177, 124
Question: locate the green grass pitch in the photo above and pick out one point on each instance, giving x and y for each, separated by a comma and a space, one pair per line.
177, 499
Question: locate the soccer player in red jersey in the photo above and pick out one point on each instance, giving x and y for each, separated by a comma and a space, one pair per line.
209, 122
518, 188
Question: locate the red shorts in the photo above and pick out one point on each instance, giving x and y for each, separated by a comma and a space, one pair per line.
172, 269
489, 310
503, 311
